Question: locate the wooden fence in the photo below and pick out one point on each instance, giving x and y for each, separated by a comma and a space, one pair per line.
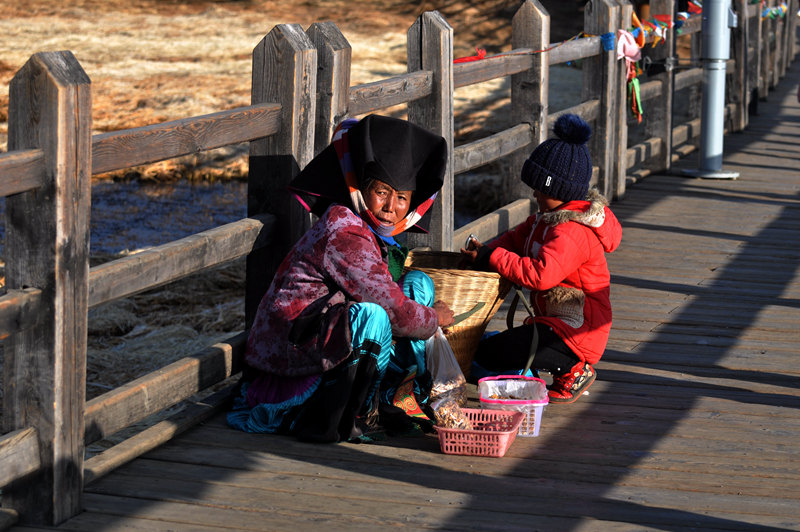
300, 91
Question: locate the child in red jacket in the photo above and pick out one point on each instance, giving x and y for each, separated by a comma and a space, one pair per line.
559, 255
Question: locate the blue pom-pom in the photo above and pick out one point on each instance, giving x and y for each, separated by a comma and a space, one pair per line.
571, 128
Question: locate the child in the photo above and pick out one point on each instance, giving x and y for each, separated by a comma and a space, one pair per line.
559, 255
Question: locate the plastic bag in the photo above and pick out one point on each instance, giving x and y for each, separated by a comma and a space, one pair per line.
448, 414
448, 380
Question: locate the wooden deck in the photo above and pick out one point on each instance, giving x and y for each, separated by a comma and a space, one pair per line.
694, 422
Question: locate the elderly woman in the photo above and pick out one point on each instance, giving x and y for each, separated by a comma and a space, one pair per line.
340, 326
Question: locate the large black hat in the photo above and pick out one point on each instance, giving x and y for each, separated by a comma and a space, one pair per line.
403, 155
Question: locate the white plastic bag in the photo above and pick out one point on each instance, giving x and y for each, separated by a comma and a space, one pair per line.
448, 380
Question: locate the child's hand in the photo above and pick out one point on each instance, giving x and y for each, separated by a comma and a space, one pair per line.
469, 252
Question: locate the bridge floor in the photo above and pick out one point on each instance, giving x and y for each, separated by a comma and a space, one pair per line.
694, 421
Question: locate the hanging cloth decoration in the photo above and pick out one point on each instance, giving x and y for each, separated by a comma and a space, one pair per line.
638, 30
634, 99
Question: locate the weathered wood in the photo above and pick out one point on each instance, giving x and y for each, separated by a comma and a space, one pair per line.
161, 389
19, 455
8, 518
19, 310
492, 67
169, 262
333, 80
529, 90
600, 82
21, 171
739, 89
395, 90
148, 144
619, 120
158, 434
575, 50
488, 149
47, 246
687, 78
430, 48
497, 222
658, 118
284, 71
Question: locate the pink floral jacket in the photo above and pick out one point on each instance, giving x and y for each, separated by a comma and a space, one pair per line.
302, 326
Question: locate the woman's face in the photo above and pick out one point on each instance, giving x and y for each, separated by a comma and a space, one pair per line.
388, 205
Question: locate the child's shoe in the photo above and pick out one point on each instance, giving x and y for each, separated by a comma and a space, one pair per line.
568, 387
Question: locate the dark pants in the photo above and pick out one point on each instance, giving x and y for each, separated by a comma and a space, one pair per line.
510, 350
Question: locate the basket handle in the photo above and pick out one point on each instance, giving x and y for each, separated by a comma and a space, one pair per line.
510, 323
464, 315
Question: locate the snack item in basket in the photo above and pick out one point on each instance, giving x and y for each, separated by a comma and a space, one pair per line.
455, 388
448, 414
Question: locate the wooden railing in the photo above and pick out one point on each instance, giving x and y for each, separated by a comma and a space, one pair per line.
300, 91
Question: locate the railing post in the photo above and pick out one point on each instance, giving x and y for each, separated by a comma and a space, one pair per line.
333, 80
600, 81
620, 118
284, 71
764, 57
430, 47
530, 28
658, 115
740, 88
47, 246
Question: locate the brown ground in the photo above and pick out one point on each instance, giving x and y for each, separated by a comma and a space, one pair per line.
157, 60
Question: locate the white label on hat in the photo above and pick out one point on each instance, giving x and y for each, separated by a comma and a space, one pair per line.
547, 183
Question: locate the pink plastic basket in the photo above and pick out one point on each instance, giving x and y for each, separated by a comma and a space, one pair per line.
492, 434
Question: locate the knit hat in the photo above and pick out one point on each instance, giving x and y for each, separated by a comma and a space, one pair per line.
561, 167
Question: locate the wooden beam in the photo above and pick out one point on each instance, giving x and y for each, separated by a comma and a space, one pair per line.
166, 263
485, 150
161, 389
160, 433
148, 144
529, 90
19, 310
19, 455
284, 71
47, 246
395, 90
21, 171
333, 80
430, 48
495, 223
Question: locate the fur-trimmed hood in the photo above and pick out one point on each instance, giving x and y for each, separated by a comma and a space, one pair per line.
591, 212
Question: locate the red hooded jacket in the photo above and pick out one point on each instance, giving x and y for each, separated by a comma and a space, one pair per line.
560, 257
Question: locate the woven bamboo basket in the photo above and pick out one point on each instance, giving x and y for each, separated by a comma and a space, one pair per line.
462, 290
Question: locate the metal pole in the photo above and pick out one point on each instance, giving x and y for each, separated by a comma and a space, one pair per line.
718, 19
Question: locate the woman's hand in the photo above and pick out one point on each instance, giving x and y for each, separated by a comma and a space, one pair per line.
444, 313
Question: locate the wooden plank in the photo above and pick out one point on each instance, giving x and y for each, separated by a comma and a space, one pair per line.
158, 434
483, 151
47, 247
285, 71
395, 90
19, 310
600, 83
575, 50
333, 80
529, 91
19, 455
151, 393
492, 67
143, 145
21, 170
430, 47
495, 223
168, 262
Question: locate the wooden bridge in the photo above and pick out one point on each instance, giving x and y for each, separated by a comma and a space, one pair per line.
692, 424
